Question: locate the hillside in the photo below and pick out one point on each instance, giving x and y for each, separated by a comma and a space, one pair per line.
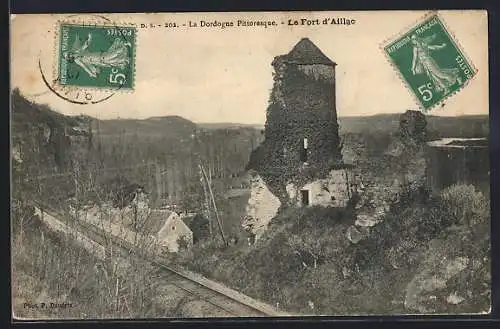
38, 127
49, 143
425, 257
170, 127
229, 125
463, 126
415, 251
45, 144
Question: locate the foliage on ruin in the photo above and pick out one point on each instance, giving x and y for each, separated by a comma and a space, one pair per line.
299, 107
413, 127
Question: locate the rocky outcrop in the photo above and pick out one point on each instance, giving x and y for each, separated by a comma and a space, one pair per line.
422, 289
406, 154
455, 271
48, 138
356, 234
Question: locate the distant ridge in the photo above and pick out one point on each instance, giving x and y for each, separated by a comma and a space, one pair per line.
427, 116
171, 126
464, 126
388, 122
229, 125
177, 127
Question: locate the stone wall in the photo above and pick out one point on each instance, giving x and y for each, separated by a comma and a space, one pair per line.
262, 206
333, 191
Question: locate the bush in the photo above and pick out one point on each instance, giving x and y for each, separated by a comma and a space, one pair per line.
184, 243
463, 204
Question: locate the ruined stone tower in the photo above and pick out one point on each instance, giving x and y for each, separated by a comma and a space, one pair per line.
302, 118
301, 132
300, 161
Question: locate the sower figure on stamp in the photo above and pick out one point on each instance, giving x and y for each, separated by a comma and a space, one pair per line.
117, 56
422, 62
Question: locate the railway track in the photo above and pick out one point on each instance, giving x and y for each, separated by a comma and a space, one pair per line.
229, 301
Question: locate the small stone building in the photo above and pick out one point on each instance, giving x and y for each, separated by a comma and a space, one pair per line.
172, 232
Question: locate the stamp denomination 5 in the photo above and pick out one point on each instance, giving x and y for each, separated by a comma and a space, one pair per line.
430, 62
96, 56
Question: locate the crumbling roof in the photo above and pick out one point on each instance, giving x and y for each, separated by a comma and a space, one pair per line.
306, 52
156, 220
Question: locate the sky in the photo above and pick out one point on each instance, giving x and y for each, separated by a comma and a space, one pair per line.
225, 75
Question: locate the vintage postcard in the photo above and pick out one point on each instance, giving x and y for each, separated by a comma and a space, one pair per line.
187, 165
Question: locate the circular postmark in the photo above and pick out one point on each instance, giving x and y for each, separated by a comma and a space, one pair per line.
93, 59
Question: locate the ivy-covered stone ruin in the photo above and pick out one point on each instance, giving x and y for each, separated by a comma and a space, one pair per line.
302, 147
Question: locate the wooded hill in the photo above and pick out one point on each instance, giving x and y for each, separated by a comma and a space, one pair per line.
52, 142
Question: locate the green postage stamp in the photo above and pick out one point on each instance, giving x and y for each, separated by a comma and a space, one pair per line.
430, 62
96, 56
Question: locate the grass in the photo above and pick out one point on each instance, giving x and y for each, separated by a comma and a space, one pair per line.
305, 264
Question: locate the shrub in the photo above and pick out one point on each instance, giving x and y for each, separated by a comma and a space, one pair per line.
463, 204
184, 243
